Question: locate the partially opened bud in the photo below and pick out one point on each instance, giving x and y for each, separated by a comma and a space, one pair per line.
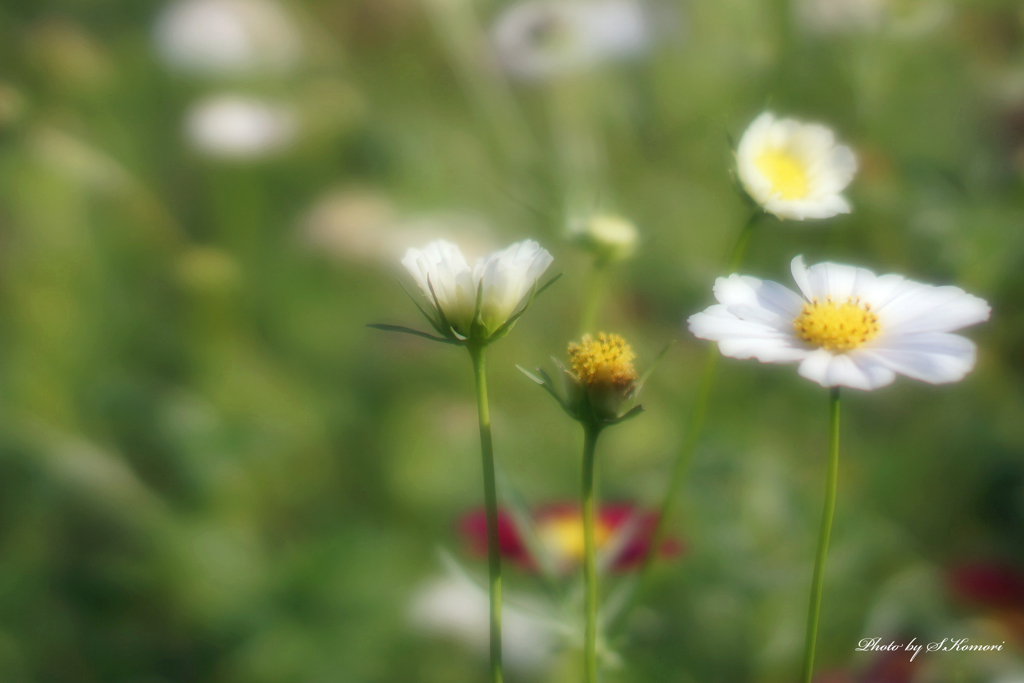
604, 366
608, 236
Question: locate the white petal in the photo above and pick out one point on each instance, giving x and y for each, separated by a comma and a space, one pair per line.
751, 292
915, 307
753, 142
853, 370
934, 357
835, 280
833, 172
745, 338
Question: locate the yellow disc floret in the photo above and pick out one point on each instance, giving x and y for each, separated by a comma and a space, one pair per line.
836, 327
606, 360
563, 535
785, 172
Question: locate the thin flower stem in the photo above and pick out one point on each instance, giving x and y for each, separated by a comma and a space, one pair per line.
491, 505
590, 434
594, 291
814, 609
694, 427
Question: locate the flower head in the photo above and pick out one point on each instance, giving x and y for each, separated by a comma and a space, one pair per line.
236, 128
607, 236
543, 39
850, 327
479, 302
794, 170
227, 37
622, 529
601, 375
600, 379
605, 361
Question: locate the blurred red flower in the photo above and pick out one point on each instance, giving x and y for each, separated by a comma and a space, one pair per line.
559, 528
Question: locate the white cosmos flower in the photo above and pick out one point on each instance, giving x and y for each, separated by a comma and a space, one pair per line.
227, 37
504, 277
542, 39
850, 327
240, 128
453, 606
793, 169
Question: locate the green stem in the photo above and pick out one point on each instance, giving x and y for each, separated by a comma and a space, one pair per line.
694, 427
594, 291
491, 505
590, 434
817, 580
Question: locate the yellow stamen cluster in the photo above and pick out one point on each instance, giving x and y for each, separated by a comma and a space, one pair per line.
607, 360
836, 327
785, 172
564, 535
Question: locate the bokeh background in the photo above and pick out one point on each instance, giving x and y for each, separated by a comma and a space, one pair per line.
212, 471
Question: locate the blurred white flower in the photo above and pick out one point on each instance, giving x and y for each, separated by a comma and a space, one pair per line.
540, 39
503, 279
608, 236
353, 223
840, 16
454, 607
240, 128
850, 328
227, 37
896, 18
793, 169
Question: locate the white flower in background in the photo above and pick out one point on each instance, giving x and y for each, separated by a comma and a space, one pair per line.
240, 128
454, 607
793, 169
504, 278
540, 39
610, 237
840, 16
895, 18
850, 327
227, 37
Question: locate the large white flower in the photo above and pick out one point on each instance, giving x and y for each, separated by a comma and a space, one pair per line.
849, 328
503, 279
793, 169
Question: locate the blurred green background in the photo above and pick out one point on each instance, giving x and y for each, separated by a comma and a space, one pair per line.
211, 470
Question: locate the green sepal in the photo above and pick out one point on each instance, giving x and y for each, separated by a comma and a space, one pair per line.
506, 327
650, 369
544, 380
416, 333
430, 318
628, 415
440, 313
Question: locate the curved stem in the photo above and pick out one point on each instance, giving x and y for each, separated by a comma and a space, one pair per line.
694, 427
491, 505
817, 580
590, 434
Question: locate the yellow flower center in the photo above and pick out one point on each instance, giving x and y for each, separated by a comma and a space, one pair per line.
608, 359
785, 172
836, 327
563, 535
